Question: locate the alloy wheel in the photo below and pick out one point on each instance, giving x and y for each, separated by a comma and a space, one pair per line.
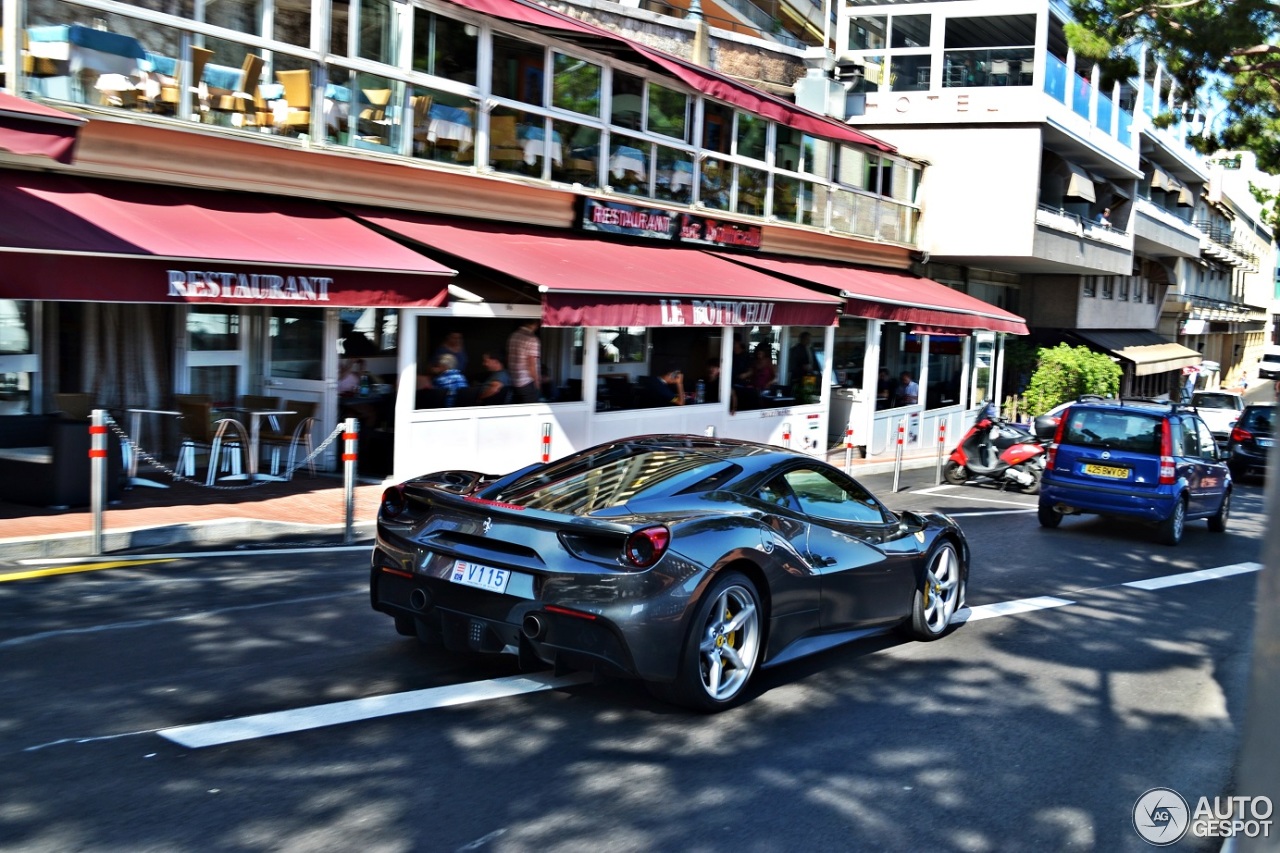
730, 643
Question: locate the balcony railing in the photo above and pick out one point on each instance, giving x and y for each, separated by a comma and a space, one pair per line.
1064, 220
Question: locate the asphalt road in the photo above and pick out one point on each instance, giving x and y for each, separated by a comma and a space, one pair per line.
1034, 731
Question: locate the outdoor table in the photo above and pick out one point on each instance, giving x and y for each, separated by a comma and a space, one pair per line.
450, 123
255, 435
627, 159
533, 139
75, 48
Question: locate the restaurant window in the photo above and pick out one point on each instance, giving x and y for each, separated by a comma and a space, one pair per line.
627, 106
629, 166
18, 361
514, 138
578, 147
212, 328
668, 112
756, 381
946, 371
852, 167
369, 116
445, 47
715, 178
468, 341
575, 85
653, 368
799, 152
751, 190
296, 343
849, 354
717, 125
443, 125
675, 175
367, 332
518, 68
752, 136
795, 201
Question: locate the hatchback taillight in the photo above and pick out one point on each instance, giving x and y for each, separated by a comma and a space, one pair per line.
1051, 453
1168, 470
645, 547
1239, 435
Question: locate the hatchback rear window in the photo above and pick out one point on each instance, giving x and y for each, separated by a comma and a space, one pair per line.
1259, 419
1216, 401
1133, 432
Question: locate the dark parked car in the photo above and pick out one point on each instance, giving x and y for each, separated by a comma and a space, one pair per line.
684, 561
1251, 440
1143, 460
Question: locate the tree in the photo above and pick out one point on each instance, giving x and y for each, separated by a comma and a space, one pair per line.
1064, 373
1217, 51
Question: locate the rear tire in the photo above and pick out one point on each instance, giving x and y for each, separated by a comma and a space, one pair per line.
1049, 517
1171, 528
1036, 470
1218, 521
724, 645
954, 473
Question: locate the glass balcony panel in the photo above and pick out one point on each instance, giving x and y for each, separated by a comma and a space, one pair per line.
1105, 107
1082, 91
1055, 79
1125, 131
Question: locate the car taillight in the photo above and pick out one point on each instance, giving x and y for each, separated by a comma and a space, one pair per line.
393, 501
1240, 434
645, 547
1168, 470
1051, 454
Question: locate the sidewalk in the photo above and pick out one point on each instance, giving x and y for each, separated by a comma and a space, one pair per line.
303, 512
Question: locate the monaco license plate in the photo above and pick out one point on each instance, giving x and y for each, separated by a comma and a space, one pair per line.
1110, 471
480, 577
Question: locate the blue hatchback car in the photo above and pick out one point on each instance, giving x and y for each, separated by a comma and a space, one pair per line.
1147, 461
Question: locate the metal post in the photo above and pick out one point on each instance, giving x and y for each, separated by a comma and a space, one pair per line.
546, 443
942, 445
350, 452
97, 474
848, 450
786, 435
897, 456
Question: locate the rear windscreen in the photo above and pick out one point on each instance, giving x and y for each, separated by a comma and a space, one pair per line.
1133, 432
1259, 419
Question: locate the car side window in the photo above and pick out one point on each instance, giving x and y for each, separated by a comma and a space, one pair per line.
776, 492
1190, 437
1208, 447
822, 496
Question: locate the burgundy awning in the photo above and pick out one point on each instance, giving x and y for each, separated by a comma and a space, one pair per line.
704, 80
586, 281
29, 128
900, 297
80, 239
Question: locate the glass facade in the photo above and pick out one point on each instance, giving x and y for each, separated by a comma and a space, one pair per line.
402, 79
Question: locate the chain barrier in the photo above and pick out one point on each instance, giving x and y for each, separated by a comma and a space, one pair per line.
134, 447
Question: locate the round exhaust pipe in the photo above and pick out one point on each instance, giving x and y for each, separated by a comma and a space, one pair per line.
419, 600
533, 627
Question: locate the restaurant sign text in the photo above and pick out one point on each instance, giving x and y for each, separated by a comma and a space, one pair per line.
657, 224
715, 312
251, 287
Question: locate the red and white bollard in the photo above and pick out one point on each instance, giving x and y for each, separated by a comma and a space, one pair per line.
848, 450
897, 458
942, 449
786, 435
350, 453
97, 474
546, 443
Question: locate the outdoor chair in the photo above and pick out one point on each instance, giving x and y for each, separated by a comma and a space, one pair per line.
294, 432
297, 94
242, 105
220, 437
171, 94
421, 105
371, 126
505, 151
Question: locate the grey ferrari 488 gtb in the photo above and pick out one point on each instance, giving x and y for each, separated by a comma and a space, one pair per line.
684, 561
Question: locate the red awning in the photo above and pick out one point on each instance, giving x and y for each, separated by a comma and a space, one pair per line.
900, 297
704, 80
75, 239
29, 128
587, 281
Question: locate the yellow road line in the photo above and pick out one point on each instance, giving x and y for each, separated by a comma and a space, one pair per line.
70, 570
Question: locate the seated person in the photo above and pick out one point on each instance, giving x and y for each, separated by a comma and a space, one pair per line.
496, 384
662, 390
447, 377
349, 377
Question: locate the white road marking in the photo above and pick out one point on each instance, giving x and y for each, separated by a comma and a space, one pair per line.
1009, 608
353, 710
192, 555
944, 491
303, 719
1194, 577
981, 512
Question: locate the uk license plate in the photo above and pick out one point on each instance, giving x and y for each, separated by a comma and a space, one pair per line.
1110, 471
480, 577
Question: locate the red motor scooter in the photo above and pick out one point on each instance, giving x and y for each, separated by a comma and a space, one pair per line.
997, 451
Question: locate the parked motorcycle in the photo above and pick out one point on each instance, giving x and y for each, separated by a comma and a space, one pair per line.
1000, 452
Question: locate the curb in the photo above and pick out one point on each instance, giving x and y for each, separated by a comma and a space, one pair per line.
235, 532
